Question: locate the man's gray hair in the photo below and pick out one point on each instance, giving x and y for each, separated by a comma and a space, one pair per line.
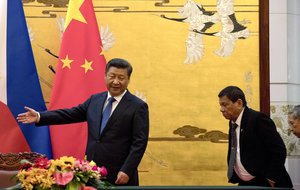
295, 112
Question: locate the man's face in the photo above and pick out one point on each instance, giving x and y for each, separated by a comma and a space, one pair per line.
230, 110
295, 125
116, 80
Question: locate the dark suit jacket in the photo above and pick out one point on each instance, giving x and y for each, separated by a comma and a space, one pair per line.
262, 150
121, 145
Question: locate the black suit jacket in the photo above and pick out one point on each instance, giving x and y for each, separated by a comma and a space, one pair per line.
262, 150
122, 143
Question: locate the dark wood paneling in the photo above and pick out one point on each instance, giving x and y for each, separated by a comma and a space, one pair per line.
264, 59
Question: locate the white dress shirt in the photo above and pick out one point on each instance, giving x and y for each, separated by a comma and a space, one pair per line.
238, 167
115, 103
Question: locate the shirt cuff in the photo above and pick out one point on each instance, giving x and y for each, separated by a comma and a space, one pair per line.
38, 117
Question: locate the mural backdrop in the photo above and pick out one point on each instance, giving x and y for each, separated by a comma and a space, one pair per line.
183, 53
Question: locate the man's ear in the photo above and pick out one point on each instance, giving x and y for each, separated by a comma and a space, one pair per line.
240, 102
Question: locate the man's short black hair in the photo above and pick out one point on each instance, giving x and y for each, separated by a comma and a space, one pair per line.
233, 93
119, 63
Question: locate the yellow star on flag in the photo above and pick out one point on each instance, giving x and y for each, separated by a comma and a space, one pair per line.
102, 51
87, 66
67, 62
74, 12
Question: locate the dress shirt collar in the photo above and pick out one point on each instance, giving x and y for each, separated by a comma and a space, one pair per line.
239, 119
118, 98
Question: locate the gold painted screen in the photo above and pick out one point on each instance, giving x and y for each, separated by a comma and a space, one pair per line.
183, 53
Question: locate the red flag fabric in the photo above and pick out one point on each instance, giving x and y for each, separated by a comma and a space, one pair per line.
12, 137
79, 74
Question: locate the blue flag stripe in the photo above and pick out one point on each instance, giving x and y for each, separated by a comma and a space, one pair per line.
23, 87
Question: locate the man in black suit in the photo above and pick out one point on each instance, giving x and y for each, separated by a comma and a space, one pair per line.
120, 144
256, 150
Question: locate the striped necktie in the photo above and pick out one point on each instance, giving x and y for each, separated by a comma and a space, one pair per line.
233, 147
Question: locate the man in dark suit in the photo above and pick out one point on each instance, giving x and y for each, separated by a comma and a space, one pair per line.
256, 152
119, 144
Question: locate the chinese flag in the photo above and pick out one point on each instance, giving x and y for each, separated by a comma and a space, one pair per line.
79, 74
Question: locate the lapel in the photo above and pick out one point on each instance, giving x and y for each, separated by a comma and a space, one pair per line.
121, 108
243, 128
98, 111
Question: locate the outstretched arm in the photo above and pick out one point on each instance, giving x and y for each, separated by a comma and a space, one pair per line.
31, 116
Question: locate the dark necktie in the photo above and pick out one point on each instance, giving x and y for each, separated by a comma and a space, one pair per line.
233, 147
106, 113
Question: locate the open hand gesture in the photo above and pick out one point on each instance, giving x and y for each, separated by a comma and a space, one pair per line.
31, 116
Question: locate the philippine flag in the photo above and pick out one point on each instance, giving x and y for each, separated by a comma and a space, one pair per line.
19, 84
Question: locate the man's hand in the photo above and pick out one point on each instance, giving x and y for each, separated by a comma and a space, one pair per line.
31, 116
122, 178
272, 183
